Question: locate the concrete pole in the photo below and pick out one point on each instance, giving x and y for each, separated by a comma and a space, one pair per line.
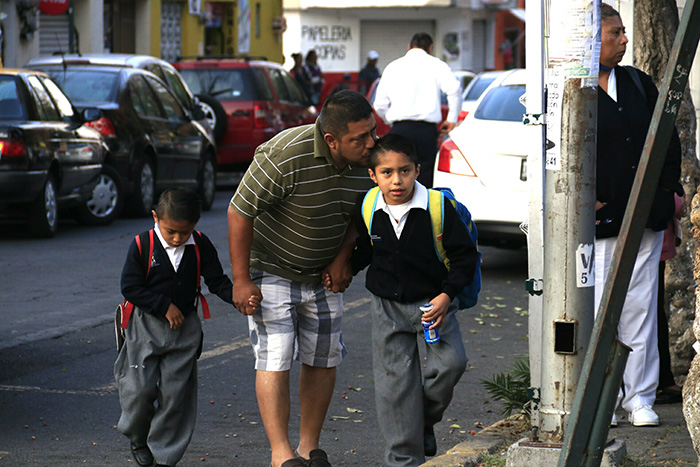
569, 211
534, 119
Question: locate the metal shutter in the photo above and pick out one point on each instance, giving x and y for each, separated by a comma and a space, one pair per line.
479, 42
171, 31
389, 38
53, 33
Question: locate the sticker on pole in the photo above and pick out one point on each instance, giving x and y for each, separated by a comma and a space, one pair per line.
585, 271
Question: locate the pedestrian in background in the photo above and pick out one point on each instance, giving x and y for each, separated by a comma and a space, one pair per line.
370, 72
408, 98
156, 371
626, 98
315, 74
410, 399
289, 222
668, 391
301, 75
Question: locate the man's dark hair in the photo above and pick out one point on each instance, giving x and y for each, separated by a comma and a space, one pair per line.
606, 11
421, 40
179, 204
392, 142
339, 109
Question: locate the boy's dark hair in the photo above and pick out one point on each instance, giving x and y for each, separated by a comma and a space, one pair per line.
392, 142
179, 204
341, 108
421, 40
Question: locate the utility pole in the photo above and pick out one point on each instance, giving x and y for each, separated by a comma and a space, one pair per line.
568, 220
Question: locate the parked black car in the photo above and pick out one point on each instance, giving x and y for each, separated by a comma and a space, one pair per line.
154, 143
48, 157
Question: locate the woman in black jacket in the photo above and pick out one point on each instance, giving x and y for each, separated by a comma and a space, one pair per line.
626, 98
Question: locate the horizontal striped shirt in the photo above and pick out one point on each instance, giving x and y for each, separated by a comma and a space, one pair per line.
300, 201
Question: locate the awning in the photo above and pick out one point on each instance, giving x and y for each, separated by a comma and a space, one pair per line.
518, 13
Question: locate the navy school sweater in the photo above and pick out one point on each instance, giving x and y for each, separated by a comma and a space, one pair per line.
165, 286
408, 269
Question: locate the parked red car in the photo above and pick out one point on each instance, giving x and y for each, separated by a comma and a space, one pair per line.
247, 100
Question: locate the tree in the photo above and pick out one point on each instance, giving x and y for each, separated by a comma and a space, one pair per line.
656, 23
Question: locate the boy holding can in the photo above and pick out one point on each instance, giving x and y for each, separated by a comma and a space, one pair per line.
406, 275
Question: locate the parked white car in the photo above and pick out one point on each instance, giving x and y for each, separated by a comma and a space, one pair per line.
476, 88
484, 162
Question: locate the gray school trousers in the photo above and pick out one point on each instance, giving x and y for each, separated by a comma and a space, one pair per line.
409, 397
159, 364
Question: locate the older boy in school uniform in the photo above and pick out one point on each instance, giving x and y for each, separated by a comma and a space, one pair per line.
404, 273
158, 361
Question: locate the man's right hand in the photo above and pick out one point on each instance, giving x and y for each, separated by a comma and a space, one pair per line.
246, 296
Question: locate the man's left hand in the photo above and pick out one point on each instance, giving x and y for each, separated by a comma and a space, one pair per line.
337, 275
446, 127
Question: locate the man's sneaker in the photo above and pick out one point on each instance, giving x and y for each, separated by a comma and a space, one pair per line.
643, 415
613, 421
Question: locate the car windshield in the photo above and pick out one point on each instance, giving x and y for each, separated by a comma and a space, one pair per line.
502, 103
10, 106
232, 84
480, 84
87, 85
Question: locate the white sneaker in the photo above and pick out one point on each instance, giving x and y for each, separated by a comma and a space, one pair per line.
643, 415
613, 421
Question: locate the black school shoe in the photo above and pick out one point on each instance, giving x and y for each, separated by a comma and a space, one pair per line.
429, 442
142, 455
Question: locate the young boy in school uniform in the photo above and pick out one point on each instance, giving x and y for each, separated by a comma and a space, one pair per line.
404, 273
158, 361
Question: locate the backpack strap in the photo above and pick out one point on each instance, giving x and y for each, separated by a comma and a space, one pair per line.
128, 307
632, 71
369, 204
205, 306
436, 206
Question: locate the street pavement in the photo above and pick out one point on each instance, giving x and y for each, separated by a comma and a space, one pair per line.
58, 404
668, 445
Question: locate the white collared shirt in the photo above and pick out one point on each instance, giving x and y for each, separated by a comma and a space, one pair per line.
410, 86
612, 85
174, 253
399, 213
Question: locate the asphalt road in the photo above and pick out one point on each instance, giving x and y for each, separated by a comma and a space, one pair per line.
58, 403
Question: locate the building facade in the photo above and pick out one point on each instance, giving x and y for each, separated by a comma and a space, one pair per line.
466, 32
162, 28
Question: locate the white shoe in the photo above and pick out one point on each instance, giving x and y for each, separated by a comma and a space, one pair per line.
643, 415
613, 421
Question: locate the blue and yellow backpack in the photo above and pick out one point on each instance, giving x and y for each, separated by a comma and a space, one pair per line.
469, 296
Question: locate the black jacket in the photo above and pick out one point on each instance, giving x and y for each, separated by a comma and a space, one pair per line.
408, 269
165, 286
622, 129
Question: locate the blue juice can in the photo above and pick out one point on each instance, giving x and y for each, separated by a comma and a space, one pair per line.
431, 335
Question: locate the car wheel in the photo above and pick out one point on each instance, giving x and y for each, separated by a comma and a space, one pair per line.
207, 183
43, 212
106, 201
141, 201
215, 114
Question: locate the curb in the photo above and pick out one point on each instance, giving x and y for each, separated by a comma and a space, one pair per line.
470, 453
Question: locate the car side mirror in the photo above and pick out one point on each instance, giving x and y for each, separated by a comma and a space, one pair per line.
91, 114
197, 111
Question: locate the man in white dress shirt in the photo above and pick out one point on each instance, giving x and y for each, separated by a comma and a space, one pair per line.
408, 98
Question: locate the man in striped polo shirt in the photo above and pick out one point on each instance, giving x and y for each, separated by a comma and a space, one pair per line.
289, 223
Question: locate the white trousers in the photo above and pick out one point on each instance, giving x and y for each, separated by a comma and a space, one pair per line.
638, 326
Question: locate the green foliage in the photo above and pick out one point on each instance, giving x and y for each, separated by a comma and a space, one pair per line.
511, 388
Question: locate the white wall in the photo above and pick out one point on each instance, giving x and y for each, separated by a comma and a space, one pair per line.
89, 21
335, 33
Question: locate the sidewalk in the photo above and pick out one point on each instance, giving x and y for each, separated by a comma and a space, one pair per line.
667, 445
